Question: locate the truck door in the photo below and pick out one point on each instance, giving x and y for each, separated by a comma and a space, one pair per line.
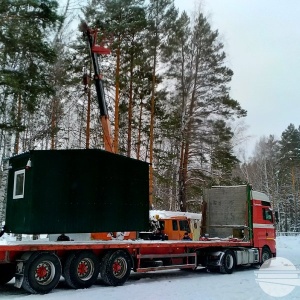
268, 219
184, 226
263, 224
175, 230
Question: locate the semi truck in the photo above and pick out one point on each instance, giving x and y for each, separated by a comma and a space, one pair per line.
237, 228
94, 192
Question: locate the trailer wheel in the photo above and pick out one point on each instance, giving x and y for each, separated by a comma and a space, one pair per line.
7, 273
266, 255
115, 267
81, 269
228, 262
42, 272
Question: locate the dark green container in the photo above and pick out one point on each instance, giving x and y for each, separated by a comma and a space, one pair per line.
76, 191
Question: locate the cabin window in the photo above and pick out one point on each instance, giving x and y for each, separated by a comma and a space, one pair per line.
265, 203
267, 215
162, 225
19, 183
174, 224
184, 225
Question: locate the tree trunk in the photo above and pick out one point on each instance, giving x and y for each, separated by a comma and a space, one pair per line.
138, 150
130, 106
4, 177
151, 137
88, 114
182, 175
19, 118
53, 124
117, 99
185, 149
181, 186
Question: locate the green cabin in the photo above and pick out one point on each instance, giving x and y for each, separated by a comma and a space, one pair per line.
76, 191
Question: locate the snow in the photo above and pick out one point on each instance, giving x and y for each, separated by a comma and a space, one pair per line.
175, 284
165, 214
260, 196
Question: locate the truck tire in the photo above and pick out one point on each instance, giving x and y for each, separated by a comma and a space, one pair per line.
42, 272
81, 269
115, 267
7, 273
228, 262
266, 255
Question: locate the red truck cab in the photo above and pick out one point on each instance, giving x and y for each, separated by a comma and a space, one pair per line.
264, 232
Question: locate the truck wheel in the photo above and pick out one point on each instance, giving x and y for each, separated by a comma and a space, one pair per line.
228, 262
265, 255
7, 273
81, 269
115, 267
42, 272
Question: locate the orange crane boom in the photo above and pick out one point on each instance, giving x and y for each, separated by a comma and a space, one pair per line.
95, 51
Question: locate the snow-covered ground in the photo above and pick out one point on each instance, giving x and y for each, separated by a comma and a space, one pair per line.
173, 285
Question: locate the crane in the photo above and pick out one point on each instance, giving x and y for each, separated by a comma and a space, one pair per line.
95, 51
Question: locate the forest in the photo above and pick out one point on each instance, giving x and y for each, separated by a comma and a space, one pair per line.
167, 91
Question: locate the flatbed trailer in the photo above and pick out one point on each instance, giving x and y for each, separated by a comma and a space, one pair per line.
38, 265
237, 229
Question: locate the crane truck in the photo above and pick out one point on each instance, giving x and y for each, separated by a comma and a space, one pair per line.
94, 191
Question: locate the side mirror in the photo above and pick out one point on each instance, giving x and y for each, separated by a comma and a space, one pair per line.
276, 217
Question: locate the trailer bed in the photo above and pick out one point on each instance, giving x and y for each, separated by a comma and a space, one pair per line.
15, 246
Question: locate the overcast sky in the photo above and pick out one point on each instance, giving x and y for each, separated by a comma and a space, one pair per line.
262, 43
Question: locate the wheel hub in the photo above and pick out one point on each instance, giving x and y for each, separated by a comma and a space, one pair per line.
119, 267
41, 272
85, 269
82, 269
44, 272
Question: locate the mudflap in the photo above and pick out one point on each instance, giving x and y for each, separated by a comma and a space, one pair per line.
19, 276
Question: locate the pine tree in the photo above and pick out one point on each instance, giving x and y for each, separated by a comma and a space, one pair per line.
203, 98
24, 65
170, 125
133, 65
289, 174
25, 58
274, 170
120, 19
223, 159
162, 15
